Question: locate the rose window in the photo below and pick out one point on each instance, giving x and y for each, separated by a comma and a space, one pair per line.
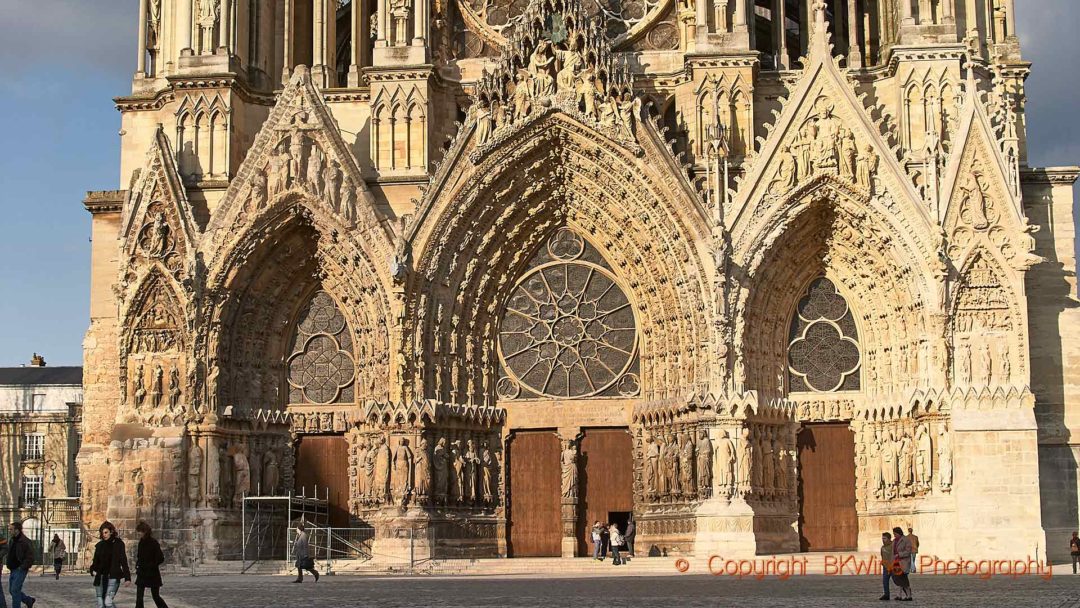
494, 20
568, 329
321, 367
823, 352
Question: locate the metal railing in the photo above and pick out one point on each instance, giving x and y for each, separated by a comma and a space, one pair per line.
328, 545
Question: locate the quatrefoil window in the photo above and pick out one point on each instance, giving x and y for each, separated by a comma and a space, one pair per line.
823, 351
320, 367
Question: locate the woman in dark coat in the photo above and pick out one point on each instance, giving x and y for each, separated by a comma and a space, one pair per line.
110, 566
148, 561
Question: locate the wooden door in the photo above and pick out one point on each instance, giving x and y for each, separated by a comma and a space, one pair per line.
827, 520
607, 483
322, 466
535, 520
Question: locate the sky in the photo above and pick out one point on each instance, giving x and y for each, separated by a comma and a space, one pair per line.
64, 61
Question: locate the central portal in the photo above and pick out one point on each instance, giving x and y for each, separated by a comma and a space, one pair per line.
606, 492
828, 520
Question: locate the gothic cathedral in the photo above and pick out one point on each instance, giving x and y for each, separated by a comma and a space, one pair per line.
763, 275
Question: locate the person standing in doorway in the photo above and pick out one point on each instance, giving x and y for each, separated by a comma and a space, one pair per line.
597, 540
110, 566
914, 547
1074, 549
616, 541
902, 564
631, 532
886, 563
605, 541
20, 558
59, 552
304, 561
148, 562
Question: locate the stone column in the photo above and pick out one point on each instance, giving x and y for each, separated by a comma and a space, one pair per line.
287, 41
358, 22
225, 27
780, 33
140, 65
1010, 18
382, 23
420, 22
906, 15
948, 11
855, 58
183, 27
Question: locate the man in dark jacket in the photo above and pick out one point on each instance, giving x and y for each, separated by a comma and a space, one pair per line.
20, 558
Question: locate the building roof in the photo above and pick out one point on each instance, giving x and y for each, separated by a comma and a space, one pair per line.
27, 376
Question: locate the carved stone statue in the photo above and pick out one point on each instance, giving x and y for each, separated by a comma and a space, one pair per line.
781, 480
140, 387
242, 471
159, 235
484, 125
945, 468
399, 22
382, 472
768, 462
704, 449
370, 463
522, 96
890, 464
686, 465
156, 390
975, 202
866, 166
315, 171
472, 461
569, 470
440, 467
213, 472
878, 466
746, 458
278, 170
848, 154
651, 469
489, 466
331, 178
422, 470
207, 12
906, 459
403, 472
271, 476
194, 468
540, 62
174, 388
923, 458
725, 464
457, 462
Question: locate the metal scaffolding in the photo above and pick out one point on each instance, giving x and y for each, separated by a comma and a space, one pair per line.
266, 520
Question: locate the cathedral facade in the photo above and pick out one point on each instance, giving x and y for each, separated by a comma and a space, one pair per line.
764, 275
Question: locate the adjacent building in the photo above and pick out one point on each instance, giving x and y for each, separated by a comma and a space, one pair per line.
766, 275
40, 432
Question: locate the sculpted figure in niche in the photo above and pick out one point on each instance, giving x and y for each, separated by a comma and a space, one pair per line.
586, 92
213, 472
259, 191
440, 467
866, 166
890, 464
803, 146
786, 172
315, 171
704, 449
768, 462
609, 112
522, 95
422, 470
539, 68
382, 472
156, 388
571, 62
878, 466
159, 235
140, 387
651, 470
195, 463
279, 172
331, 179
906, 458
370, 460
484, 125
781, 464
686, 465
725, 463
208, 12
945, 470
756, 463
403, 470
174, 388
271, 476
848, 154
399, 22
964, 373
975, 202
569, 470
488, 470
986, 363
472, 459
242, 470
923, 457
458, 464
626, 114
1006, 366
745, 462
296, 158
670, 455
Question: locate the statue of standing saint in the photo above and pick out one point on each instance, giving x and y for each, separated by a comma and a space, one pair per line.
569, 470
403, 472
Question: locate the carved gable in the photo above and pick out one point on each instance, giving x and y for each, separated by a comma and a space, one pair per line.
982, 208
299, 155
157, 226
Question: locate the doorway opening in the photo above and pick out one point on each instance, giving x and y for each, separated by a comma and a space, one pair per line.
827, 517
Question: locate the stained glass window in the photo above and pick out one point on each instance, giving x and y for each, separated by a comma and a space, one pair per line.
320, 367
823, 349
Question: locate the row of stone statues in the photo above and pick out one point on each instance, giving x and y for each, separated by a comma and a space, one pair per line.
823, 145
452, 473
140, 396
221, 473
900, 461
676, 466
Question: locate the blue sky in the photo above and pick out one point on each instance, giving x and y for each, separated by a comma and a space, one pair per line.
64, 61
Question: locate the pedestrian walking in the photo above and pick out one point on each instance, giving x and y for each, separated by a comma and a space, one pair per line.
1074, 549
148, 560
631, 533
901, 564
616, 540
300, 551
597, 540
886, 563
110, 566
914, 548
58, 550
19, 559
605, 541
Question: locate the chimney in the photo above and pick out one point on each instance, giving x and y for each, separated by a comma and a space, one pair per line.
37, 361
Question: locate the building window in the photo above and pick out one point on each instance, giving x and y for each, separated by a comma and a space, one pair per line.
33, 446
37, 402
823, 352
32, 490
